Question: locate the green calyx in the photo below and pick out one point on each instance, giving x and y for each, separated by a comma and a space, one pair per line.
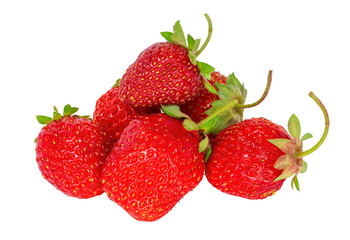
67, 111
292, 162
193, 45
117, 83
190, 125
223, 113
229, 108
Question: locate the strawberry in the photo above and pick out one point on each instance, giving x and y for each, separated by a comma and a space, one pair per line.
111, 116
197, 107
154, 164
252, 159
166, 72
70, 153
242, 160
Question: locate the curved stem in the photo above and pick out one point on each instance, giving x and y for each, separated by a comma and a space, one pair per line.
266, 91
325, 132
210, 31
213, 115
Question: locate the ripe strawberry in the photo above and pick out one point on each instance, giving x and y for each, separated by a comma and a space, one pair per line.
70, 153
111, 116
242, 160
252, 159
197, 107
154, 164
166, 72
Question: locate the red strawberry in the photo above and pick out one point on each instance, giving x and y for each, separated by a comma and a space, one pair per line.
197, 107
166, 72
111, 116
242, 160
70, 153
154, 164
252, 159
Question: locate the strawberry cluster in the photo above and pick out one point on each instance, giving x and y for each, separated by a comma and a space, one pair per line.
168, 122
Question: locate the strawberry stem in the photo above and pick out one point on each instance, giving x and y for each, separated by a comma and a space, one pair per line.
210, 31
266, 91
325, 132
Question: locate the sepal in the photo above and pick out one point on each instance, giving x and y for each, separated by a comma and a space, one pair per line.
288, 172
69, 110
285, 145
294, 127
192, 45
190, 125
43, 119
295, 182
283, 162
203, 145
205, 69
223, 112
210, 87
306, 136
304, 167
174, 111
179, 36
168, 36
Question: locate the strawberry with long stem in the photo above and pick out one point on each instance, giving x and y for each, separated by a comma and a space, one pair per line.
252, 158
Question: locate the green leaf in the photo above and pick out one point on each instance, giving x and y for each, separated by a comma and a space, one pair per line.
56, 116
197, 43
205, 69
43, 119
192, 57
207, 153
190, 42
218, 103
69, 110
288, 172
283, 162
233, 81
295, 182
173, 111
216, 106
304, 167
179, 36
210, 124
190, 125
283, 144
85, 116
306, 136
117, 83
294, 126
203, 144
168, 36
225, 92
209, 87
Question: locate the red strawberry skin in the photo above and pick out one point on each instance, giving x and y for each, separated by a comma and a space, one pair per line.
111, 116
153, 165
197, 107
242, 160
70, 154
162, 74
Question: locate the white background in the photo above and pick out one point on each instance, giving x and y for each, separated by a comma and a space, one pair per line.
59, 52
